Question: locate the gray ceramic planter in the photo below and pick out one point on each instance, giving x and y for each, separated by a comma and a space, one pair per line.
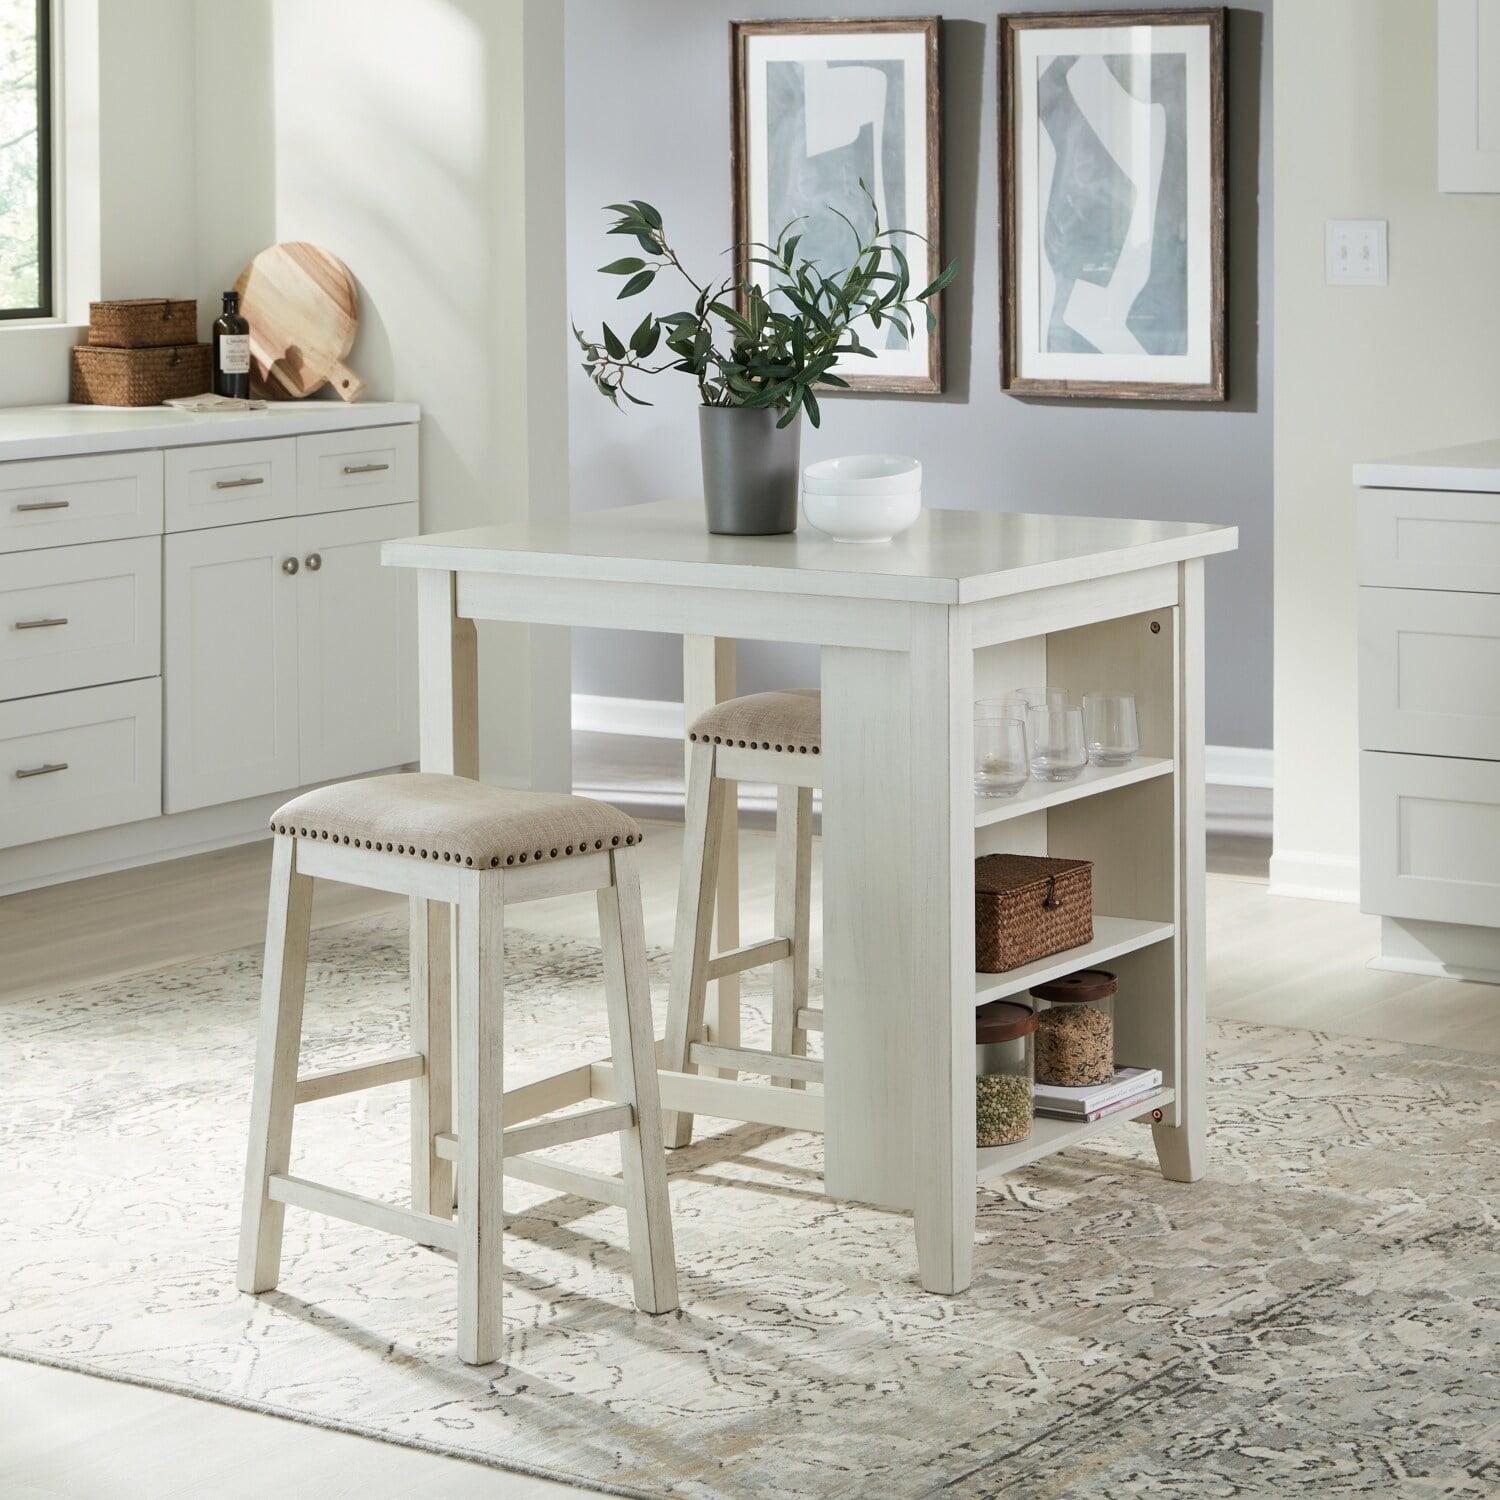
752, 471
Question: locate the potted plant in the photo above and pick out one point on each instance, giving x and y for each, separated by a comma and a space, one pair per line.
756, 364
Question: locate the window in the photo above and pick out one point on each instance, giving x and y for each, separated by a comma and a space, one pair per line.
25, 160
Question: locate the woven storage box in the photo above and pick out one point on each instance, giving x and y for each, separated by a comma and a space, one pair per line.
1026, 907
140, 377
143, 322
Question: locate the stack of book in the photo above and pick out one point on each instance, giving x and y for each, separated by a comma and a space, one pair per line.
1122, 1092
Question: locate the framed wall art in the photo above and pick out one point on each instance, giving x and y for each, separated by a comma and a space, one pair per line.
819, 107
1112, 204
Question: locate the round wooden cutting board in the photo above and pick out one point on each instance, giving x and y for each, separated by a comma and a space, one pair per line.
303, 312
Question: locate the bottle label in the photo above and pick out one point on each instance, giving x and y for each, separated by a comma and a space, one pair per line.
234, 353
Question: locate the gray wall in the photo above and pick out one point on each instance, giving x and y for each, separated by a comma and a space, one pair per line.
648, 117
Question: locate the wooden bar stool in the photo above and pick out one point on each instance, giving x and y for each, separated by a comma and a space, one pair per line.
476, 848
767, 737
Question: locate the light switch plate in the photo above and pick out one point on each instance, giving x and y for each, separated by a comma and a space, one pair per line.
1354, 252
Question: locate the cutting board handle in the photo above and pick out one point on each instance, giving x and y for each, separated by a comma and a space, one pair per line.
346, 382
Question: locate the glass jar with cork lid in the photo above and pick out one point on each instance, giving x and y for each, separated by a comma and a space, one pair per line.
1075, 1034
1003, 1035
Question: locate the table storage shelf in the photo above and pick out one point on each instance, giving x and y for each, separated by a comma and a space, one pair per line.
1113, 938
1049, 1136
1036, 795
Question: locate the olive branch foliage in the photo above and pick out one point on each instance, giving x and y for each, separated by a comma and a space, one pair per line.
789, 335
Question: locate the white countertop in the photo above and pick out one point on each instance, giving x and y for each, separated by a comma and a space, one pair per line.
56, 431
1473, 466
948, 557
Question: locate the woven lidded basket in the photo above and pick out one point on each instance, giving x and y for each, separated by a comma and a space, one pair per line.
1027, 907
143, 322
140, 377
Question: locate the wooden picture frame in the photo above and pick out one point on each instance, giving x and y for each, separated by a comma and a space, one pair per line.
914, 43
1187, 319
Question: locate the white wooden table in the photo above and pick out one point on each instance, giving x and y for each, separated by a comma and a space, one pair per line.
965, 605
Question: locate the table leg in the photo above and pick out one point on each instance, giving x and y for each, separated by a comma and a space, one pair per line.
1181, 1140
447, 656
708, 666
898, 936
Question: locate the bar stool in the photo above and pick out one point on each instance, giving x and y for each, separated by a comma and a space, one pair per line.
765, 737
476, 848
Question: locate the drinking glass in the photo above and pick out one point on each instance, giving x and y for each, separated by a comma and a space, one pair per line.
1110, 728
1000, 768
1057, 749
1019, 701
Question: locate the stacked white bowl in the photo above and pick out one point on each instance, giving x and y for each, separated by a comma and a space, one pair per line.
868, 497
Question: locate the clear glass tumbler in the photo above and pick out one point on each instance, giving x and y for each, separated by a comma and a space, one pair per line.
1056, 743
1000, 764
1020, 700
1110, 728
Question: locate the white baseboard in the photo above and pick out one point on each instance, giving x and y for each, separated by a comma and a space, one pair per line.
1228, 766
646, 718
1316, 877
1237, 765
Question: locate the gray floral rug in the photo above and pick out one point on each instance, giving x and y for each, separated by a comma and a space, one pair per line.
1320, 1316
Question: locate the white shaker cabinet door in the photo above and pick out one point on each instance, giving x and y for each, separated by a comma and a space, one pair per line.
358, 638
229, 662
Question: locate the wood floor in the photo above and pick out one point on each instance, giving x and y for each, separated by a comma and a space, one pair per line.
72, 1437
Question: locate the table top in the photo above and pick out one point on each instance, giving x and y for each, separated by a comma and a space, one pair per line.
58, 431
1470, 466
948, 557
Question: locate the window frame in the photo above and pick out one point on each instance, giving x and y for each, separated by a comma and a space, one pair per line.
46, 226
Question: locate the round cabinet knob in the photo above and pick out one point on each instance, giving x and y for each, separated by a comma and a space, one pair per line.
314, 561
289, 566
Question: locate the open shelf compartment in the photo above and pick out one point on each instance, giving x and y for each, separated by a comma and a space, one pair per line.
1113, 937
1049, 1136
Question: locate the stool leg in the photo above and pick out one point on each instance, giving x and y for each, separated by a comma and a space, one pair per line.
278, 1044
632, 1040
481, 1086
793, 904
432, 1036
704, 826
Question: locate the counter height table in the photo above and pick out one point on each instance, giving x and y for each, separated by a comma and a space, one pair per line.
965, 605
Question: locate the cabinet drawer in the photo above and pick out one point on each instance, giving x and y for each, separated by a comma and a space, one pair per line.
74, 616
74, 761
347, 470
1430, 838
1429, 539
223, 484
48, 502
1429, 672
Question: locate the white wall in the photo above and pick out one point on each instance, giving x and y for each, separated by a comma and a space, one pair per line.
419, 140
1361, 373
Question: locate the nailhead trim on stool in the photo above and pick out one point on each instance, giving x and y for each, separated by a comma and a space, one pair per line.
789, 722
453, 820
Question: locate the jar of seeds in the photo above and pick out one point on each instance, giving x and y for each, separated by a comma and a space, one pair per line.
1003, 1035
1075, 1034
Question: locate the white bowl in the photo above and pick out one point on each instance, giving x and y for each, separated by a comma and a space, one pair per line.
861, 518
864, 474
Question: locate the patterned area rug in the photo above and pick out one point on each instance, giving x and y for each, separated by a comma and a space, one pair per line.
1318, 1317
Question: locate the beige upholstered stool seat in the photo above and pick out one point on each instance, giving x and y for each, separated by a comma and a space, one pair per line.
789, 721
453, 820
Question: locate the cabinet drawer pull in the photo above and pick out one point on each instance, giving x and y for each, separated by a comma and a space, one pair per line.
41, 624
44, 505
26, 771
314, 561
289, 565
237, 484
364, 468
